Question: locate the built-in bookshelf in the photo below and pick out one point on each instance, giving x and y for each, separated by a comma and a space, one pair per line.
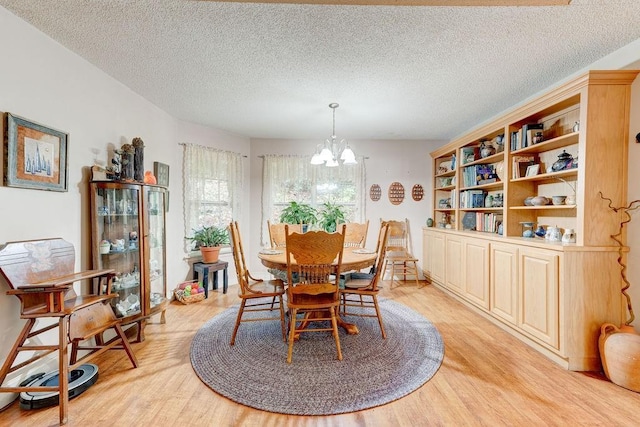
571, 142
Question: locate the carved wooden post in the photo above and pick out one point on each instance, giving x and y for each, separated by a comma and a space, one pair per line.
138, 173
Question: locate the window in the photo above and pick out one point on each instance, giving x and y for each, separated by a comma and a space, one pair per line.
293, 178
212, 187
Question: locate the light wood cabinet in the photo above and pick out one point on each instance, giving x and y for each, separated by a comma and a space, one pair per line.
503, 281
538, 302
433, 252
552, 295
453, 261
475, 264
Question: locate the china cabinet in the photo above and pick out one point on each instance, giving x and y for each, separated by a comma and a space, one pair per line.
128, 235
553, 157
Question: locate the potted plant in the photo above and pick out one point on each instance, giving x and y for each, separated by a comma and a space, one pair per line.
331, 215
209, 239
299, 213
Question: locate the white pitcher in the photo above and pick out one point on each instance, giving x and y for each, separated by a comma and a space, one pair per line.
569, 236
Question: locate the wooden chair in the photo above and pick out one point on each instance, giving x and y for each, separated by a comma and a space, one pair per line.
398, 257
364, 286
277, 237
316, 257
40, 273
254, 292
355, 235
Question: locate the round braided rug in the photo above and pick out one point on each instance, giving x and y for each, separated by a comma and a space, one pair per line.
374, 371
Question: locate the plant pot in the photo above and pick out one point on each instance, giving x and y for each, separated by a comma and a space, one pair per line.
210, 254
620, 355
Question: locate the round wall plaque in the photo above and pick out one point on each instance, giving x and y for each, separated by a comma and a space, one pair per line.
396, 193
375, 192
417, 192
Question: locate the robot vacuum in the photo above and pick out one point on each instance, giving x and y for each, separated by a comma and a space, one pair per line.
80, 379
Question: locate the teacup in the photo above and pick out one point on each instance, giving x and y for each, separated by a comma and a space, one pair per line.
558, 200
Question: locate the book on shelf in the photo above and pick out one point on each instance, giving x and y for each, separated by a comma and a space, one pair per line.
528, 132
520, 165
516, 140
469, 154
488, 222
486, 174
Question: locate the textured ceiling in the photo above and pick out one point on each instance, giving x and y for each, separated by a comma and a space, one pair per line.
271, 70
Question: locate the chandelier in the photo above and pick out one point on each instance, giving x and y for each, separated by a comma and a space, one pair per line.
332, 150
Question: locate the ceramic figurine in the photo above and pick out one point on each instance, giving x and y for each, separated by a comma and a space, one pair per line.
564, 161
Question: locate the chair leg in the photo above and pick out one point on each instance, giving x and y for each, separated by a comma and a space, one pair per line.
63, 369
238, 320
292, 333
336, 336
282, 325
375, 303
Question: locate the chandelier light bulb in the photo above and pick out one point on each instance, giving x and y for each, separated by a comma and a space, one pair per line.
331, 149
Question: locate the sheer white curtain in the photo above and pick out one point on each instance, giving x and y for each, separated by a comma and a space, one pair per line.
212, 185
293, 178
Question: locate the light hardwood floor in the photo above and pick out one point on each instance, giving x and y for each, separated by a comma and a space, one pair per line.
487, 378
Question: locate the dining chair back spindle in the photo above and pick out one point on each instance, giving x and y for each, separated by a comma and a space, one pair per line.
312, 257
398, 257
361, 290
257, 296
355, 235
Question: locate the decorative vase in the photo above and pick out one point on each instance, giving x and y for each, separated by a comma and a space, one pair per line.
539, 201
487, 149
429, 222
210, 254
620, 355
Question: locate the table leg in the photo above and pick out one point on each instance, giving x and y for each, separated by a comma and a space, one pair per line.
225, 281
215, 280
205, 281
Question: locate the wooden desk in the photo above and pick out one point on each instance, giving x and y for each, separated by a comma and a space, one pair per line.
350, 261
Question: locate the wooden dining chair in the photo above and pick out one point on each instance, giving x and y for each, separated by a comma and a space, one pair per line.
316, 257
361, 290
355, 235
398, 257
277, 234
257, 295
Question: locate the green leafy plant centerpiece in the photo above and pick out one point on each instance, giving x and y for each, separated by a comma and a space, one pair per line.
299, 213
209, 239
331, 215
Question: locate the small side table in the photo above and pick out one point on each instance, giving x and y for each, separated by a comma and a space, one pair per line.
214, 267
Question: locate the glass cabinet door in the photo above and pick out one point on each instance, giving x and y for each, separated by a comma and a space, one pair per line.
156, 248
116, 232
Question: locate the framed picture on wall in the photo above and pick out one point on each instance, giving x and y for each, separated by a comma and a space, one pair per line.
36, 156
161, 171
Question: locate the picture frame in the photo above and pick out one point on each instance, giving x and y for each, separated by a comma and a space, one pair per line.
532, 170
161, 171
36, 156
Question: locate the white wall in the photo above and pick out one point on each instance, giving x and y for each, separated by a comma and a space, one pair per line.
46, 83
407, 162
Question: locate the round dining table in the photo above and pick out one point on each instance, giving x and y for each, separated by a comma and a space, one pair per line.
352, 259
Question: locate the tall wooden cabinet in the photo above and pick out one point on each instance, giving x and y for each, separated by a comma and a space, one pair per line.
552, 295
128, 235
